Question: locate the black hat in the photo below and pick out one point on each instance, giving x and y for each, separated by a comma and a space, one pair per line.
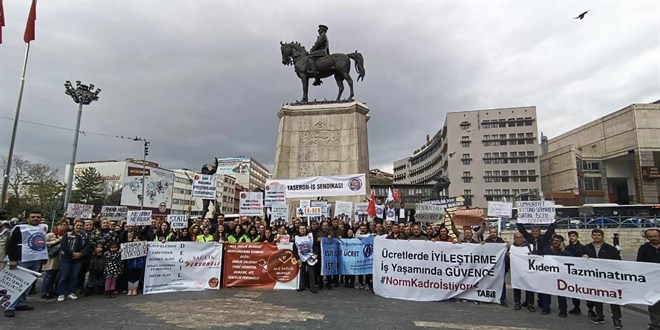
323, 27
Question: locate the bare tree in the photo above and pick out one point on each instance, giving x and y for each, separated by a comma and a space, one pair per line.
18, 173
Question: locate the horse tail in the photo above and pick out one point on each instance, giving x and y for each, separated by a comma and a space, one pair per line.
359, 64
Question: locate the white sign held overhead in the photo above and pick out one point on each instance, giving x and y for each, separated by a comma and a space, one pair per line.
500, 209
536, 212
204, 186
138, 218
114, 212
344, 209
177, 221
251, 204
338, 185
275, 194
279, 214
82, 211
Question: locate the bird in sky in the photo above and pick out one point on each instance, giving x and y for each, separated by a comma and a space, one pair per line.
581, 16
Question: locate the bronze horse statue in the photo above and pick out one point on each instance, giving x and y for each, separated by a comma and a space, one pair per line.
442, 185
337, 64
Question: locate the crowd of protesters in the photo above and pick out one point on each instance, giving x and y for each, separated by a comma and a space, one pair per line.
84, 256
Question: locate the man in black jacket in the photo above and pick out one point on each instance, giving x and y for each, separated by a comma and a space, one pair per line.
576, 249
650, 252
601, 250
26, 247
538, 241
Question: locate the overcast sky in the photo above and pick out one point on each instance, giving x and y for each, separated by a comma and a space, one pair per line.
201, 79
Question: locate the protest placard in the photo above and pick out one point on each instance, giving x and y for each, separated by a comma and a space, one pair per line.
361, 211
309, 212
204, 186
425, 212
536, 212
82, 211
428, 271
312, 187
182, 266
114, 213
177, 221
305, 203
347, 256
279, 214
251, 204
472, 217
344, 210
138, 218
609, 281
500, 209
133, 250
275, 194
13, 282
260, 265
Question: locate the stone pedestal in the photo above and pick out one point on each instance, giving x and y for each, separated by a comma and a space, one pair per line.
322, 140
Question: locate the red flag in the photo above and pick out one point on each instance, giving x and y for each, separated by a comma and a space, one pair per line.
371, 208
29, 28
397, 197
2, 19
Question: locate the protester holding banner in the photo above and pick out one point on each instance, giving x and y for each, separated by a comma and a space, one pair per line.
194, 232
164, 233
556, 248
26, 247
443, 236
395, 233
303, 250
650, 252
75, 246
601, 250
49, 268
538, 241
576, 249
474, 235
238, 236
493, 237
282, 236
268, 237
134, 270
206, 235
521, 247
220, 234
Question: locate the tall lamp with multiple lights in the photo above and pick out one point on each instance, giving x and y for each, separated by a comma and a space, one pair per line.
82, 95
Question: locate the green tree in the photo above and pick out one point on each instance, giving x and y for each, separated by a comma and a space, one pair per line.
44, 189
89, 186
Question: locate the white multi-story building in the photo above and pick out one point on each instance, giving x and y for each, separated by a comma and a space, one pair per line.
183, 203
488, 155
247, 171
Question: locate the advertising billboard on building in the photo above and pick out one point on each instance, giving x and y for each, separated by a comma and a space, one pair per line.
157, 191
238, 167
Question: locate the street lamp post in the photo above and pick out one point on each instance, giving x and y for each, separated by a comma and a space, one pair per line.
82, 95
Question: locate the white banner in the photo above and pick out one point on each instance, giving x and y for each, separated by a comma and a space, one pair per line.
344, 210
305, 203
338, 185
431, 271
178, 221
114, 213
133, 250
275, 194
252, 204
138, 218
609, 281
279, 214
182, 266
325, 208
204, 186
82, 211
500, 209
14, 282
361, 211
536, 212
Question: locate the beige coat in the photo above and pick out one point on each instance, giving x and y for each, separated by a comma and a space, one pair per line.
52, 239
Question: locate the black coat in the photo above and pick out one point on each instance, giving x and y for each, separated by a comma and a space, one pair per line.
606, 252
538, 244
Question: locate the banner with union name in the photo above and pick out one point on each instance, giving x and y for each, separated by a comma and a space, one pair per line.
609, 281
261, 266
432, 271
311, 187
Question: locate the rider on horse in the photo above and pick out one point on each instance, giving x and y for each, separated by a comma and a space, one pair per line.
320, 49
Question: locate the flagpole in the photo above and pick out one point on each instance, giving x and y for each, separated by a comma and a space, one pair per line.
5, 179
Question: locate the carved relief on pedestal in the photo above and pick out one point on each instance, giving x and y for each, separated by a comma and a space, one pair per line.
307, 169
320, 136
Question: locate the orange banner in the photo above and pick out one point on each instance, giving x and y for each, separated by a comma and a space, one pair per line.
260, 265
471, 217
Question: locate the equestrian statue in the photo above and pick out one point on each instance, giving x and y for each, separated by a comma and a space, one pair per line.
442, 185
319, 63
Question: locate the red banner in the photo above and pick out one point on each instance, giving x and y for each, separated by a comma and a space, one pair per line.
260, 265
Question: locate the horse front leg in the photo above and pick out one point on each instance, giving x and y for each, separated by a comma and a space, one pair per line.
305, 86
340, 85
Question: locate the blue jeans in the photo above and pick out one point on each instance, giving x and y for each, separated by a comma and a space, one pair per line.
22, 299
69, 269
49, 280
